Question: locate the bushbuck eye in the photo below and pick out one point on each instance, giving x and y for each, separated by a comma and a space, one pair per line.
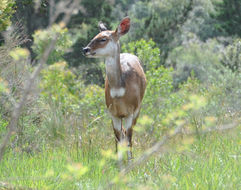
103, 39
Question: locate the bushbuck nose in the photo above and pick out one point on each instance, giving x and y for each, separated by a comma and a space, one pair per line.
86, 50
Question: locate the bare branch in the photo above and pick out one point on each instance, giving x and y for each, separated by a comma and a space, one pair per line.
66, 7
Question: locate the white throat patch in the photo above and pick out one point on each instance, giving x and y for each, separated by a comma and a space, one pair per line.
117, 92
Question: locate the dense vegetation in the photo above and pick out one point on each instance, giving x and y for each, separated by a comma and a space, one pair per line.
191, 54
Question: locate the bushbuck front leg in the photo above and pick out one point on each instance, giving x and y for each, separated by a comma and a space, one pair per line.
128, 136
117, 126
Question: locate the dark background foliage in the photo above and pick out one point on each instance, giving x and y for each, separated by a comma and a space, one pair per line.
164, 22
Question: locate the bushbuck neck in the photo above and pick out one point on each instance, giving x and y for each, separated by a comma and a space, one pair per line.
113, 68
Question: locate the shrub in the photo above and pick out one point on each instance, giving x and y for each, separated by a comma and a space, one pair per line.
6, 11
146, 51
59, 86
232, 56
217, 75
42, 38
201, 58
68, 104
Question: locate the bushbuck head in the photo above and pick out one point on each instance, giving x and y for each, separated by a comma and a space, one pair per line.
106, 43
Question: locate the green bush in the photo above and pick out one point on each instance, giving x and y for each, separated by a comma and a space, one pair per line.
67, 103
42, 39
93, 100
59, 87
232, 56
201, 58
6, 11
146, 51
217, 76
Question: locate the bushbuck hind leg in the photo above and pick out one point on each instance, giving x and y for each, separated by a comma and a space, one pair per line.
128, 136
117, 137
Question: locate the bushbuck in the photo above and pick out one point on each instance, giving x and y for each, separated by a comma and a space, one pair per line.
125, 81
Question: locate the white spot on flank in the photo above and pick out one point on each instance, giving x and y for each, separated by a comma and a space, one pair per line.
125, 67
117, 92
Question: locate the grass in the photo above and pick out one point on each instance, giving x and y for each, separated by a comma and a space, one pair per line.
211, 161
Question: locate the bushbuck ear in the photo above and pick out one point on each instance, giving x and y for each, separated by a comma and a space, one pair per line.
124, 26
102, 27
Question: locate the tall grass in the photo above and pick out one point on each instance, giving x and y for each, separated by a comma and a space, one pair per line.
209, 162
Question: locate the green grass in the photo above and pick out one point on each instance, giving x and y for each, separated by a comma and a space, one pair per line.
212, 161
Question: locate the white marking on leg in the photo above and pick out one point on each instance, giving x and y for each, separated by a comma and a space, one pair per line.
116, 123
117, 92
128, 122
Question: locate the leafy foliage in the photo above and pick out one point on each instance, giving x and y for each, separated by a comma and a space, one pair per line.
197, 57
146, 51
43, 38
58, 84
232, 56
6, 11
229, 16
67, 102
